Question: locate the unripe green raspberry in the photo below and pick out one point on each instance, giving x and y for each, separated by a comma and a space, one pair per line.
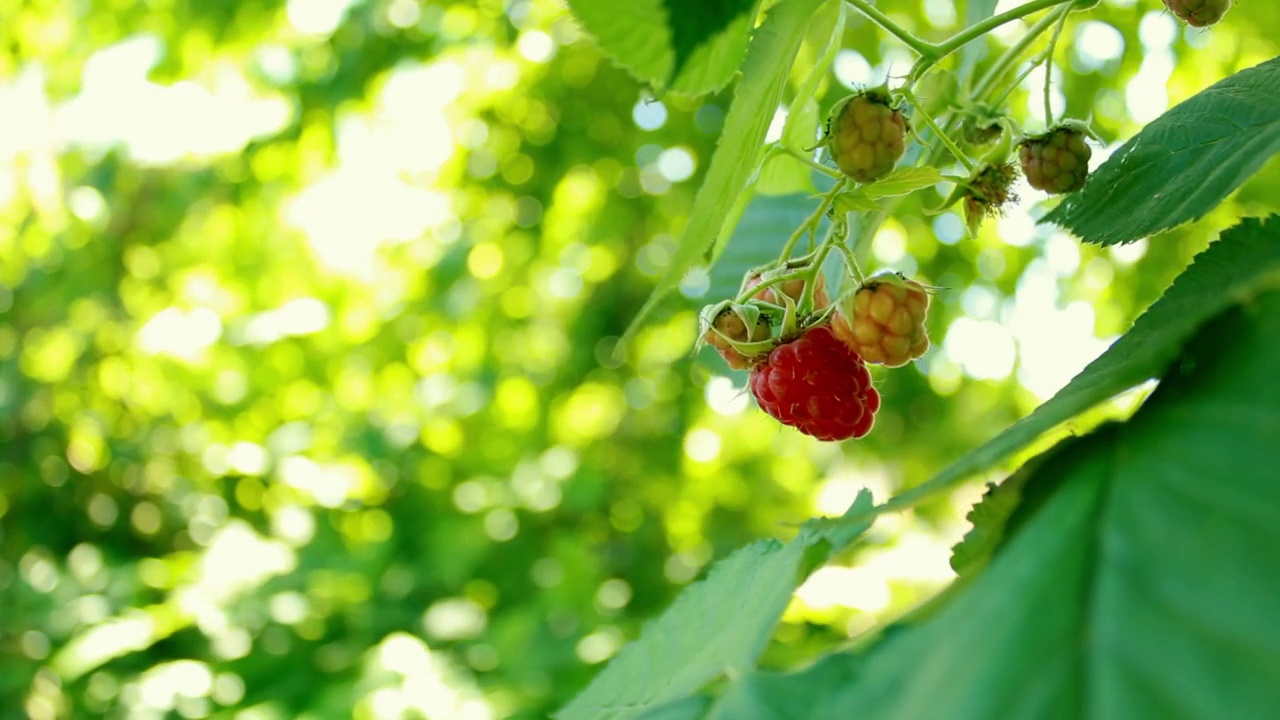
1198, 13
866, 136
1056, 162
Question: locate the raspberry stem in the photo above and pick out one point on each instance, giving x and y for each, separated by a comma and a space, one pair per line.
829, 172
978, 29
851, 261
1048, 67
942, 136
813, 220
1010, 56
922, 48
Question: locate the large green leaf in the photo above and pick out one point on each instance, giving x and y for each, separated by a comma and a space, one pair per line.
1245, 260
1143, 586
634, 33
693, 24
694, 641
1181, 165
764, 76
686, 50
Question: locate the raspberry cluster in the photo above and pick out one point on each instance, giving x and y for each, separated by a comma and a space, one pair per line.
866, 136
817, 385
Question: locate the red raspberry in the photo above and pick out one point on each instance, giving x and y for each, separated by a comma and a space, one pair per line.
1056, 162
866, 136
818, 386
883, 322
1198, 13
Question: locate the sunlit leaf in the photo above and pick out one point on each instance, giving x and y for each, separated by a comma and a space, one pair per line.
903, 181
690, 644
687, 51
694, 25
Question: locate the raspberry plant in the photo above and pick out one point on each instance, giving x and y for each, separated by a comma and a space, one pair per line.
1015, 638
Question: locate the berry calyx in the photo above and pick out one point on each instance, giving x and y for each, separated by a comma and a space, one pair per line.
983, 125
866, 135
987, 191
793, 288
883, 321
1056, 162
817, 385
1198, 13
740, 333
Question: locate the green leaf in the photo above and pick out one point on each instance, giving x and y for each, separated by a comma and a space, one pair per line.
1142, 587
692, 642
1244, 262
784, 175
855, 201
764, 76
693, 24
903, 181
692, 707
801, 131
634, 33
1183, 164
687, 53
989, 517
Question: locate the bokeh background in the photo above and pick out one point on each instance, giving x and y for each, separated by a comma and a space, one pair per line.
309, 399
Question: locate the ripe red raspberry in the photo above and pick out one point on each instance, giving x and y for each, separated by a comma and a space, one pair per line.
729, 328
818, 386
1198, 13
883, 321
1056, 162
866, 135
793, 289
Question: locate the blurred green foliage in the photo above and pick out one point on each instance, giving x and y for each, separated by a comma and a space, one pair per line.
309, 405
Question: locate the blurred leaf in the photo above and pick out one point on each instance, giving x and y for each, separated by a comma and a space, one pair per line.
1244, 262
903, 181
766, 224
975, 11
689, 708
764, 75
635, 34
801, 130
855, 201
784, 175
691, 643
1181, 165
1112, 599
